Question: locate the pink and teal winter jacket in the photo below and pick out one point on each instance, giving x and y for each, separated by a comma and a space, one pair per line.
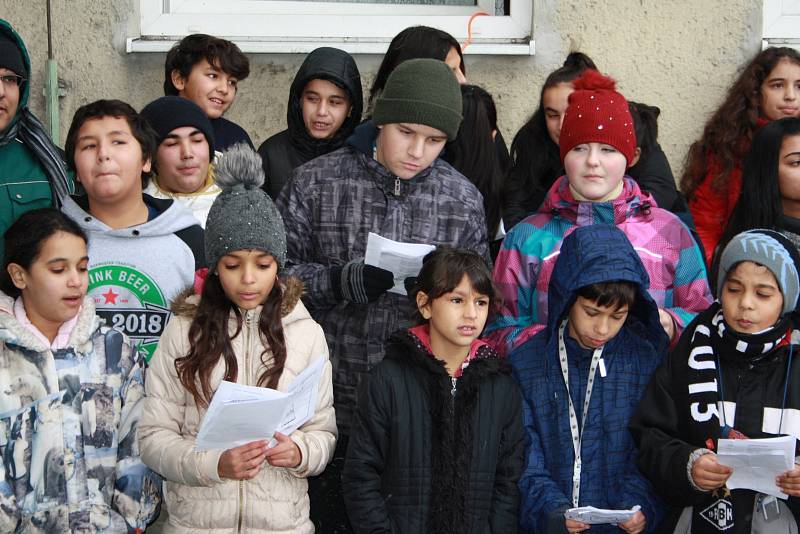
678, 281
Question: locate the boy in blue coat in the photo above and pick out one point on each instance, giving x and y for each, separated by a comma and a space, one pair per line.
582, 378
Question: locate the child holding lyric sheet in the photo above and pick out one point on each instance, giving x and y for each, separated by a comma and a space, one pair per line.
582, 378
734, 374
244, 326
437, 439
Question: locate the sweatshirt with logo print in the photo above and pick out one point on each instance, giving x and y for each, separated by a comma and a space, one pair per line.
136, 272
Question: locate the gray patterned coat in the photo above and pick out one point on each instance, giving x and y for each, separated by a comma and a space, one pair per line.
68, 431
329, 207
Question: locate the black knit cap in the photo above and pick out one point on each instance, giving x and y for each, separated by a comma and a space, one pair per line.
421, 91
11, 55
169, 112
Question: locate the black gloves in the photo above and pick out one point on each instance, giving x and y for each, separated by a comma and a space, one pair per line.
360, 283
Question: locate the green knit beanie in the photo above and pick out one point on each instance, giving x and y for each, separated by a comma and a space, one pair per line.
421, 91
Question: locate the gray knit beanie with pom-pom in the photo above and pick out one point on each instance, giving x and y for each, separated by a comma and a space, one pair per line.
243, 216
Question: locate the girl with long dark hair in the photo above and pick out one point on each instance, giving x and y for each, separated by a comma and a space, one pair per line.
414, 43
770, 196
241, 324
473, 154
767, 89
535, 159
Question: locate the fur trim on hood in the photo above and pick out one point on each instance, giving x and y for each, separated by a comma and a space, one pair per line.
185, 304
12, 331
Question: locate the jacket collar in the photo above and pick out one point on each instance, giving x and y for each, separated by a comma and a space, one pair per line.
12, 331
185, 304
363, 142
632, 202
416, 350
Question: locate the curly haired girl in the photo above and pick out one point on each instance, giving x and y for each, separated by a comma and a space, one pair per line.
766, 90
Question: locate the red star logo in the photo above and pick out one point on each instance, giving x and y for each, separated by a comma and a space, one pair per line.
110, 296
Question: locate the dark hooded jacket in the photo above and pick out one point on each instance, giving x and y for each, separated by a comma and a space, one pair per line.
609, 476
32, 170
432, 454
285, 151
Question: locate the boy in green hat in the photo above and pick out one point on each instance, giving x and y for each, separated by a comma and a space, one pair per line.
388, 180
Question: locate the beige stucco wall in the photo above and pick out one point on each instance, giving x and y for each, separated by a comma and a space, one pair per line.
680, 55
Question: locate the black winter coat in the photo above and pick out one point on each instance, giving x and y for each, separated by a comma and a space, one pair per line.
666, 432
421, 460
287, 150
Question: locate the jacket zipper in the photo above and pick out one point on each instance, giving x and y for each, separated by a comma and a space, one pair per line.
248, 315
396, 186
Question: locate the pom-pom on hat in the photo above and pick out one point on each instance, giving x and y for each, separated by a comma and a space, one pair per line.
243, 216
770, 249
421, 91
597, 113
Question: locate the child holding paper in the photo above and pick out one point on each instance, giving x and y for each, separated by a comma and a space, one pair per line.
740, 354
243, 325
582, 378
437, 439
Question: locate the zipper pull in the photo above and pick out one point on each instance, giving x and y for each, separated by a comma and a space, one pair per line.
397, 187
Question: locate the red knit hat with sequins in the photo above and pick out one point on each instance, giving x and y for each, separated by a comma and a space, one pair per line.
597, 113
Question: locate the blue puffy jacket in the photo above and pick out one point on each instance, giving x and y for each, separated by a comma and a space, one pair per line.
609, 476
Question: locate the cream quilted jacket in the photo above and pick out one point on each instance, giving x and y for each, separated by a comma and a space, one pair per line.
197, 499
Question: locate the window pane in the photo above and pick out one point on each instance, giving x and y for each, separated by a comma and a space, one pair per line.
419, 2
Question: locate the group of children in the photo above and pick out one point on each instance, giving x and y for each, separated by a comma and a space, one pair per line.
592, 367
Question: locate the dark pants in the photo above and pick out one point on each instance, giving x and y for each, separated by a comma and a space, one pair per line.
325, 493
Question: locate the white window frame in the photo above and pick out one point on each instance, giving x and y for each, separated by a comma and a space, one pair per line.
287, 26
781, 23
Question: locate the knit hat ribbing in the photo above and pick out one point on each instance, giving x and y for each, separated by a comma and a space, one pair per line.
169, 112
770, 249
243, 216
11, 56
421, 91
597, 113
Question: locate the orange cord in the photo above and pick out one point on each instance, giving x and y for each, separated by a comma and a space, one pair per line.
469, 27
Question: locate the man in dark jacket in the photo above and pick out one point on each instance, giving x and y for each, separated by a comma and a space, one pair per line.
390, 181
32, 171
324, 108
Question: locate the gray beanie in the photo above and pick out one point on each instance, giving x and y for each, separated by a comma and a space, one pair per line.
770, 249
421, 91
242, 216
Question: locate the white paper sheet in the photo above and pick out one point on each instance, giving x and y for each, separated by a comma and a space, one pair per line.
240, 414
402, 259
303, 393
599, 516
756, 462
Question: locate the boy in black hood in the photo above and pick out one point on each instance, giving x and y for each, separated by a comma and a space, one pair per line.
325, 105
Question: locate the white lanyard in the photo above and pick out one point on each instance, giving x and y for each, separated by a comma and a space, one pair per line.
577, 433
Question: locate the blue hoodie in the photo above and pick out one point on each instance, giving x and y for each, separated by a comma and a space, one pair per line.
609, 476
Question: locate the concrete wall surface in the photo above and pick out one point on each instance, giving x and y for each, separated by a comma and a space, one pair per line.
680, 55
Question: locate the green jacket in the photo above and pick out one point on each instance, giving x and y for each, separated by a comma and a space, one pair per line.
24, 181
